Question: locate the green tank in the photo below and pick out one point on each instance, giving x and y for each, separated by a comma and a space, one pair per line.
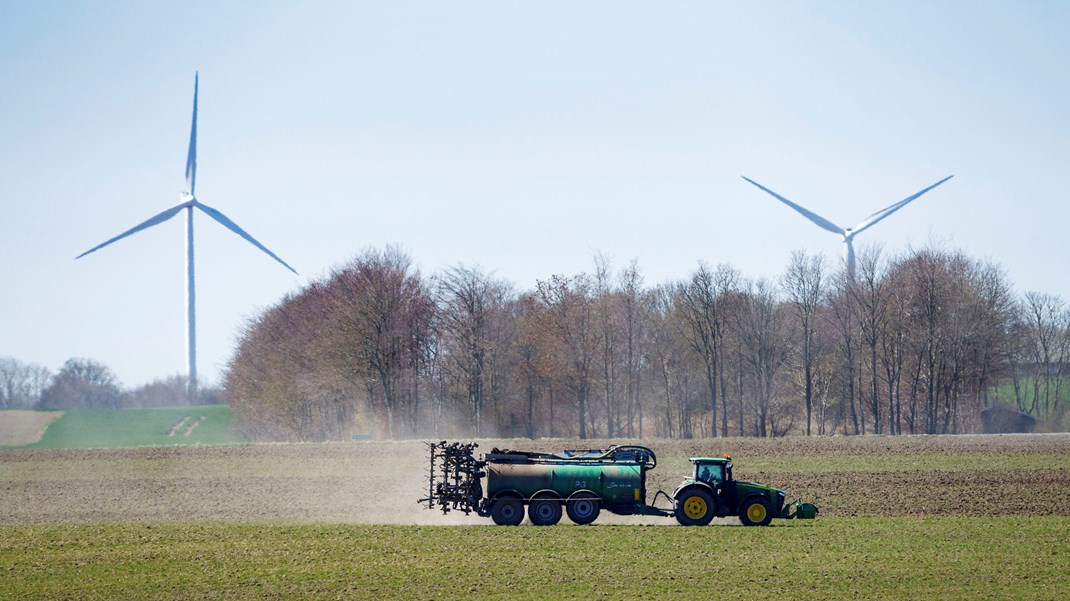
617, 476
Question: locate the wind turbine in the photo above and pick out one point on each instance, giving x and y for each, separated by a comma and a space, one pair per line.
848, 233
190, 202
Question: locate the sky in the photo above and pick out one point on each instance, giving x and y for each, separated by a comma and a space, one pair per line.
523, 138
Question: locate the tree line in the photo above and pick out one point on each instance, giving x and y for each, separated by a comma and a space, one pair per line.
83, 383
913, 343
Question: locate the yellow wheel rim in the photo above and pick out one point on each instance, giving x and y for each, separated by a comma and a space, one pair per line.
756, 512
695, 507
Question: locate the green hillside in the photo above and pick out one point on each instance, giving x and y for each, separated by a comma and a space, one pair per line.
95, 428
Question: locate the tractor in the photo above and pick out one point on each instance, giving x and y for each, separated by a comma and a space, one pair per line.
711, 492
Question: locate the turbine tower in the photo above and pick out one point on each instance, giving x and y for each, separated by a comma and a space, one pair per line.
190, 202
848, 233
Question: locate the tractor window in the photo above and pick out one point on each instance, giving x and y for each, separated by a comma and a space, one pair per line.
711, 474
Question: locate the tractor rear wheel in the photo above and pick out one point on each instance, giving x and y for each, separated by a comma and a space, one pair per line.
544, 512
583, 508
507, 512
754, 511
695, 507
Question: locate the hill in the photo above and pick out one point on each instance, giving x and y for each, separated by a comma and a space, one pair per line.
108, 428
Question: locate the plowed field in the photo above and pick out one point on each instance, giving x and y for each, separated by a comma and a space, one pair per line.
380, 482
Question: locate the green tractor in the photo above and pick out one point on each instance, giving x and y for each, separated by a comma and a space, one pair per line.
711, 492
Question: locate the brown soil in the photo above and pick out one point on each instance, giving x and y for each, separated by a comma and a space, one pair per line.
380, 482
18, 427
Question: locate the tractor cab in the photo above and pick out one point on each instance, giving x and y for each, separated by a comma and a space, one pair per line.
715, 471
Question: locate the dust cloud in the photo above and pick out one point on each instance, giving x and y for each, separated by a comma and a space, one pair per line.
377, 482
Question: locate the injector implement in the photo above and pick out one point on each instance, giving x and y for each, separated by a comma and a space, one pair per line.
582, 483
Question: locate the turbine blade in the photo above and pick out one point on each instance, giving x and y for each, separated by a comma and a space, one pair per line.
230, 225
164, 216
817, 219
191, 158
881, 214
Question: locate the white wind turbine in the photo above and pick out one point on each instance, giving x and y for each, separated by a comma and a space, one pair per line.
848, 233
190, 202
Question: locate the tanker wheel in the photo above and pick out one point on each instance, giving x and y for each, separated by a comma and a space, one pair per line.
544, 512
583, 508
754, 511
507, 512
695, 507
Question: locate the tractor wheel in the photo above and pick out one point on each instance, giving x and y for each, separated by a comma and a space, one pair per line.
583, 508
695, 507
507, 512
754, 511
544, 512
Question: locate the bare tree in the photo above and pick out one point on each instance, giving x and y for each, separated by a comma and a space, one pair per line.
956, 318
570, 312
164, 392
804, 283
385, 323
893, 348
82, 384
867, 294
844, 318
287, 380
530, 369
699, 303
635, 310
665, 358
765, 347
471, 309
607, 318
992, 306
21, 384
1047, 321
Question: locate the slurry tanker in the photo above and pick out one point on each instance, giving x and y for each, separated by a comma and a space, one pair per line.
582, 483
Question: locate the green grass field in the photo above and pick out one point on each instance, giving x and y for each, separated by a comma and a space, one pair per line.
109, 428
874, 558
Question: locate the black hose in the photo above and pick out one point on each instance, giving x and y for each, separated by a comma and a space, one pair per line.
654, 501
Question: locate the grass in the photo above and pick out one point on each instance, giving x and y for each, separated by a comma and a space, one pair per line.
108, 428
1003, 392
876, 558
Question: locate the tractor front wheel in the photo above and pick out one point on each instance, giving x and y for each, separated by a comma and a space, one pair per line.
695, 507
507, 512
754, 511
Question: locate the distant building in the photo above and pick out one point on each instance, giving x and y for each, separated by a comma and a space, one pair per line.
1000, 419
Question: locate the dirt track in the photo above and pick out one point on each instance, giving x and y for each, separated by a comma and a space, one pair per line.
379, 482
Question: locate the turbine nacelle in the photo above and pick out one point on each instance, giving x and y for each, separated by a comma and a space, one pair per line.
848, 234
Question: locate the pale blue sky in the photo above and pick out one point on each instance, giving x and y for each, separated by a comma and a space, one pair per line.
520, 136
